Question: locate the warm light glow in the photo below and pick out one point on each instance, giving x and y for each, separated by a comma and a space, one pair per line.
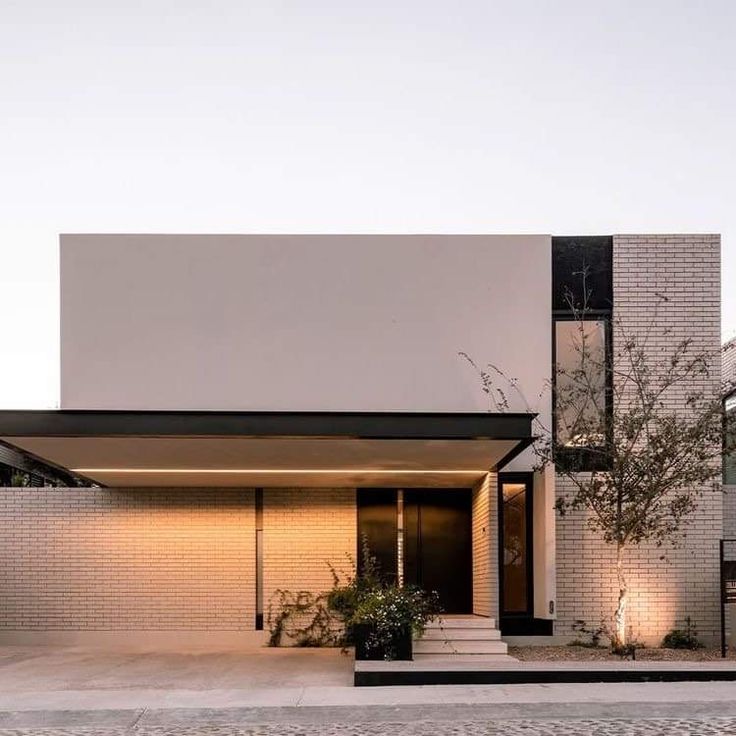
254, 471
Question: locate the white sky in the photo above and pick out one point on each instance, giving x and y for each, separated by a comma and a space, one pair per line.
232, 116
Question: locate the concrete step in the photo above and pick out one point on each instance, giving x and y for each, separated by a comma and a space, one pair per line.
461, 647
463, 622
472, 632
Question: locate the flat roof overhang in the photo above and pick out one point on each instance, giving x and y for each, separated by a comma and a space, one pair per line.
285, 449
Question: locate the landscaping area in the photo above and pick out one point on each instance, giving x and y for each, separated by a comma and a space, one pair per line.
587, 653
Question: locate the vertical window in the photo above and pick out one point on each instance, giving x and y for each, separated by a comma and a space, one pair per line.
581, 396
729, 459
514, 549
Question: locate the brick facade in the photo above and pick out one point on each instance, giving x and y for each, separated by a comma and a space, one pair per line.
174, 559
686, 269
304, 531
181, 559
115, 559
485, 547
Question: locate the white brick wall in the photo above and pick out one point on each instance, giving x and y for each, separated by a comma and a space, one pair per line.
162, 559
116, 559
485, 547
304, 529
685, 268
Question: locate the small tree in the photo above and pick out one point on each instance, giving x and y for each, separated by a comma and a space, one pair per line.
638, 434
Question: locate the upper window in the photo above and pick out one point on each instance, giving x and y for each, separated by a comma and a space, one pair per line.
581, 408
582, 304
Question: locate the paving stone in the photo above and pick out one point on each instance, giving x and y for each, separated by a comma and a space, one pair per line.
515, 727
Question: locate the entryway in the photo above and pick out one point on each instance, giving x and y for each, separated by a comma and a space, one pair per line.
423, 536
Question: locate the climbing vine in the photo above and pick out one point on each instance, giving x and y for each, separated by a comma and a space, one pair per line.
303, 618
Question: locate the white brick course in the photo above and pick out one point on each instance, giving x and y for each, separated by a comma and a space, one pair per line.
104, 559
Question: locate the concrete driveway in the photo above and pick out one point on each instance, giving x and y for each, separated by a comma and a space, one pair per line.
34, 676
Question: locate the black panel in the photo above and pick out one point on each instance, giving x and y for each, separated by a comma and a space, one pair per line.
571, 256
512, 626
378, 525
521, 675
366, 425
438, 546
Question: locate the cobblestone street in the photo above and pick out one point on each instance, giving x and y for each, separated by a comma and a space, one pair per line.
514, 727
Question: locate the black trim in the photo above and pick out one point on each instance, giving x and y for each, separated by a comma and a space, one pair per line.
525, 626
521, 675
19, 459
363, 425
258, 508
509, 456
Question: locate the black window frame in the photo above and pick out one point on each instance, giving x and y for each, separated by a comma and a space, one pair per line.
527, 479
584, 459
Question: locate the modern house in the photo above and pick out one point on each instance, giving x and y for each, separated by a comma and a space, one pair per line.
237, 411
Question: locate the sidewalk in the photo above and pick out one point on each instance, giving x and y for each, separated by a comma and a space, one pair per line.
81, 686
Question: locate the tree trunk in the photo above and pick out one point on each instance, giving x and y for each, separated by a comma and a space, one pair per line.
619, 633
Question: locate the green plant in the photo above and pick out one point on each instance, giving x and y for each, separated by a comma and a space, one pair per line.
345, 597
595, 634
365, 598
303, 617
371, 599
393, 611
686, 638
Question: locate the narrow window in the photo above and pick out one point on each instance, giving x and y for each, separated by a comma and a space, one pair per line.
581, 396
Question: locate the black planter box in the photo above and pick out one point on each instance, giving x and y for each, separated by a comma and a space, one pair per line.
401, 649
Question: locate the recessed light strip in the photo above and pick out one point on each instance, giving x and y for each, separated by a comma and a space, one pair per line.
275, 471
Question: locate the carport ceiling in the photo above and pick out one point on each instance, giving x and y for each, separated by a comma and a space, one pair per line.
133, 449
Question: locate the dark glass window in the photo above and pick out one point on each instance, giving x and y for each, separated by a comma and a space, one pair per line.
515, 560
582, 273
581, 396
729, 459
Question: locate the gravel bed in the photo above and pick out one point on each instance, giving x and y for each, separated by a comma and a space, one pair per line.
581, 654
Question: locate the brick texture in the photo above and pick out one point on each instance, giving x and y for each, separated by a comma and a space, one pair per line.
304, 529
485, 547
686, 269
113, 559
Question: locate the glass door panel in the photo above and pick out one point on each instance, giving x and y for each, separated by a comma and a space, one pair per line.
515, 555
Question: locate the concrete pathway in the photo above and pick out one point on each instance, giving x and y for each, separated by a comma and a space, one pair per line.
77, 692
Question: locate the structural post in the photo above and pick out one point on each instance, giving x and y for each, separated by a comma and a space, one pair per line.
723, 599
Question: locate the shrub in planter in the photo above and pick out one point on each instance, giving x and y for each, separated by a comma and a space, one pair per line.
368, 646
379, 616
386, 620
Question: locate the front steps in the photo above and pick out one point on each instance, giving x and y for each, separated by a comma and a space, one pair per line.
461, 637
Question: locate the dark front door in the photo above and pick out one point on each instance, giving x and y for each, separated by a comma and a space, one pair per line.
378, 530
437, 545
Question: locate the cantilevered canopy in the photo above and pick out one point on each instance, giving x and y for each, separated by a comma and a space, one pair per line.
246, 449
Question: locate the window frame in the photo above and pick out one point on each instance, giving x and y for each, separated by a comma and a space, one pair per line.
584, 459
